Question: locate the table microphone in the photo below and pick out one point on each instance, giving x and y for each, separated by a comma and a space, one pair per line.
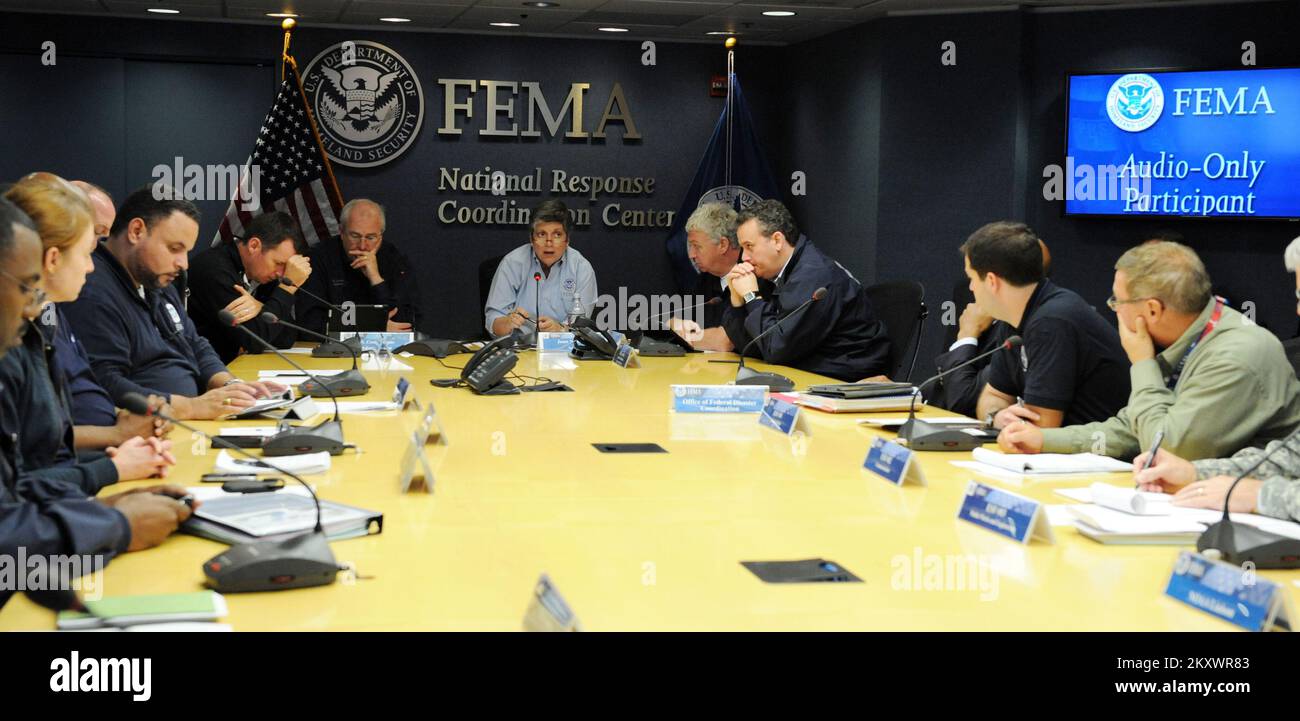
327, 349
774, 381
327, 436
348, 383
925, 437
300, 561
1239, 543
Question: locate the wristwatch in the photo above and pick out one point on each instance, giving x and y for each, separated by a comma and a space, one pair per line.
752, 295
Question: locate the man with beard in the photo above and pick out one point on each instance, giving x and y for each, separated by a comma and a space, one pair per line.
132, 323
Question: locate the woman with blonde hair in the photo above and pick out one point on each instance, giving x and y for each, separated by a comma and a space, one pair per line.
35, 385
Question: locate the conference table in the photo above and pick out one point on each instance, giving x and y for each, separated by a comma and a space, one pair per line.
655, 541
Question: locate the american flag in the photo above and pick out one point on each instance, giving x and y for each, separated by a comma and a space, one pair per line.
292, 171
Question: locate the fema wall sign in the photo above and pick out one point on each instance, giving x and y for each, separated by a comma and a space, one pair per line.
367, 100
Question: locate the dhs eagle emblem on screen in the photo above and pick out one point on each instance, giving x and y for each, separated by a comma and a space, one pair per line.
367, 100
1135, 102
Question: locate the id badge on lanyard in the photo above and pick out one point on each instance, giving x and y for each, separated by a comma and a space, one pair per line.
1209, 327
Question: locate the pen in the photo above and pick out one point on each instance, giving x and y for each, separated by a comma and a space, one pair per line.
1155, 448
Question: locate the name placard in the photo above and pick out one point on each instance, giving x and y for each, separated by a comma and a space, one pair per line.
718, 399
1005, 513
416, 474
782, 415
554, 342
1229, 592
548, 611
893, 462
374, 342
626, 356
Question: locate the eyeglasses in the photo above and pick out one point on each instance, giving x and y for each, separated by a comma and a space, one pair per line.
35, 296
1114, 303
357, 237
555, 238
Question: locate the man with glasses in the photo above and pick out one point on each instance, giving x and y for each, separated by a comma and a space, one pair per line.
565, 275
1070, 368
359, 267
45, 520
1203, 374
243, 277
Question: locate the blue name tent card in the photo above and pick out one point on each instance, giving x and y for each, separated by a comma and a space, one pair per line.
626, 356
554, 342
893, 462
718, 399
1229, 592
1005, 513
782, 415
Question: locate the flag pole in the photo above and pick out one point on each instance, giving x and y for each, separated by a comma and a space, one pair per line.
285, 58
289, 64
731, 82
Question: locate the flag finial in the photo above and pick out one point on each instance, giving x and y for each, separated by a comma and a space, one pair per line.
288, 24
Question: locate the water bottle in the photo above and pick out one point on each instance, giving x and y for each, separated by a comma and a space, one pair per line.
575, 312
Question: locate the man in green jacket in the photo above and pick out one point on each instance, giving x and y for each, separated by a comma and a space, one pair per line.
1221, 383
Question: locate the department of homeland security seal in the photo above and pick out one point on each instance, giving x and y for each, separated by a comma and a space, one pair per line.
737, 196
368, 111
1134, 102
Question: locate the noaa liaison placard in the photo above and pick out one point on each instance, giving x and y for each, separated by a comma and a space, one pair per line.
1189, 143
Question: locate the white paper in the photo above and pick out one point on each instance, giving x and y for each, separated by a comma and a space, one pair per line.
250, 431
1130, 500
1051, 462
1110, 521
303, 464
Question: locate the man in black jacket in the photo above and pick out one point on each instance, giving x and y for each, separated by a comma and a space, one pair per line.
56, 519
838, 336
243, 277
360, 268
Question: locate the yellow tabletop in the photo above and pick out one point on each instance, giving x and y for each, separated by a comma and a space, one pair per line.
655, 541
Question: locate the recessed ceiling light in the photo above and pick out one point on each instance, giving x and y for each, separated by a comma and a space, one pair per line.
612, 30
778, 13
164, 11
282, 15
720, 32
541, 5
394, 20
504, 25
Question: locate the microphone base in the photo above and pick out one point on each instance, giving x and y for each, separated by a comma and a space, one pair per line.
1239, 543
300, 561
776, 382
327, 436
922, 436
349, 383
337, 349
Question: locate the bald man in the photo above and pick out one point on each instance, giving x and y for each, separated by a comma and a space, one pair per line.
102, 204
359, 267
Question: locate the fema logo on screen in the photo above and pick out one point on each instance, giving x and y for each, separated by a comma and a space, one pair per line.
367, 102
1135, 102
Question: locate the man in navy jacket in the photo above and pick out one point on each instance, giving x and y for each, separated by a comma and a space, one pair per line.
838, 336
132, 322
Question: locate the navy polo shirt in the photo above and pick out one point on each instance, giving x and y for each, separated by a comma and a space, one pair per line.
1071, 360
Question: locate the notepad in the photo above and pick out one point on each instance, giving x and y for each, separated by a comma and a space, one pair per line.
118, 611
1051, 462
302, 464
